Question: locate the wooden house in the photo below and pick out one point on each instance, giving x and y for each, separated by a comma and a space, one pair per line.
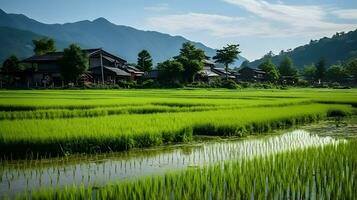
251, 75
104, 67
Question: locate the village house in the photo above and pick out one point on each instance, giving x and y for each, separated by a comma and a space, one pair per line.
104, 67
251, 75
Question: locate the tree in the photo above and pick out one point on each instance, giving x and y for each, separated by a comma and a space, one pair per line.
43, 46
336, 73
309, 72
227, 56
320, 70
191, 59
170, 71
11, 65
144, 61
286, 67
73, 63
269, 68
351, 68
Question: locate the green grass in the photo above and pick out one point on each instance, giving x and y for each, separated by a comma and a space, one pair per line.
58, 122
327, 172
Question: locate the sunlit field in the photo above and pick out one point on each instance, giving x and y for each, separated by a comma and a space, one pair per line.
177, 144
58, 122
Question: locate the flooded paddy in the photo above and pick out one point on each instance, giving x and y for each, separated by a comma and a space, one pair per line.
99, 170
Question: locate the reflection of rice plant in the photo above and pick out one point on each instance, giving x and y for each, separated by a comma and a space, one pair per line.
297, 174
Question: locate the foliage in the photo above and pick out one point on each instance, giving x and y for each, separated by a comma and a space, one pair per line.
73, 63
309, 72
286, 67
227, 55
336, 49
320, 69
144, 61
191, 59
170, 71
11, 65
43, 46
271, 71
336, 73
351, 68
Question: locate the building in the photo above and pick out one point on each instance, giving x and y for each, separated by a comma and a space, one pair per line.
104, 67
206, 74
251, 75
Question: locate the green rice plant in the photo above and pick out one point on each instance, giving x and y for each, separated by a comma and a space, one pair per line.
123, 132
299, 174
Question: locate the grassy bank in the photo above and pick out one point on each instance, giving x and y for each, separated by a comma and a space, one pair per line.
299, 174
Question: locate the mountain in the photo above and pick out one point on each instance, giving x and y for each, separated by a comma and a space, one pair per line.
338, 48
123, 41
19, 42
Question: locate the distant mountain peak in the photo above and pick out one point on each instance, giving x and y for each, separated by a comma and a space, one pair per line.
101, 20
120, 40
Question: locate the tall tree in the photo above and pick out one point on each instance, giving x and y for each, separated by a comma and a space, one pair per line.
351, 68
191, 59
144, 61
73, 63
309, 72
286, 67
227, 55
170, 71
320, 70
11, 65
336, 73
43, 46
270, 69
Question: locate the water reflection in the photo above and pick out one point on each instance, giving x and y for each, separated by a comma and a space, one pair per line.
100, 169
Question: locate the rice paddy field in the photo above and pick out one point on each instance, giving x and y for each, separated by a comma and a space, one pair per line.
178, 144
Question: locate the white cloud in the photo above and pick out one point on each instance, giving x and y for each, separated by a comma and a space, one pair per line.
281, 12
217, 25
346, 13
157, 7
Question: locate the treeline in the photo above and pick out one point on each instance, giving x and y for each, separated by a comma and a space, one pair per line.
314, 74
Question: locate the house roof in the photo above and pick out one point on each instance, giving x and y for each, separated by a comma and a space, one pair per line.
117, 71
206, 71
54, 56
253, 69
222, 72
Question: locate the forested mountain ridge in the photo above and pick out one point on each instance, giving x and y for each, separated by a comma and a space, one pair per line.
121, 40
338, 48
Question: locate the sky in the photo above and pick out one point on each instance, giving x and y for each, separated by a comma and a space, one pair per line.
259, 26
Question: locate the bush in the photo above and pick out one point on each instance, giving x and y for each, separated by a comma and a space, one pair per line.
150, 84
127, 84
229, 84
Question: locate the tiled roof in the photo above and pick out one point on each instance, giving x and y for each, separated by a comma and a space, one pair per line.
117, 71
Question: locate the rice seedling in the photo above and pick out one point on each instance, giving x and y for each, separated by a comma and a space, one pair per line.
297, 174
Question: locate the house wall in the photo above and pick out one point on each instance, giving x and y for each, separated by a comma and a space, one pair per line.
94, 62
49, 67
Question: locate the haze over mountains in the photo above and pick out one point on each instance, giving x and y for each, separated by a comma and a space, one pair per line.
18, 31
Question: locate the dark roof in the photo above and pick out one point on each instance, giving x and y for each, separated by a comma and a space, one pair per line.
117, 71
54, 56
253, 69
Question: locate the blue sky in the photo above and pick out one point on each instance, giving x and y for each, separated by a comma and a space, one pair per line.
257, 25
